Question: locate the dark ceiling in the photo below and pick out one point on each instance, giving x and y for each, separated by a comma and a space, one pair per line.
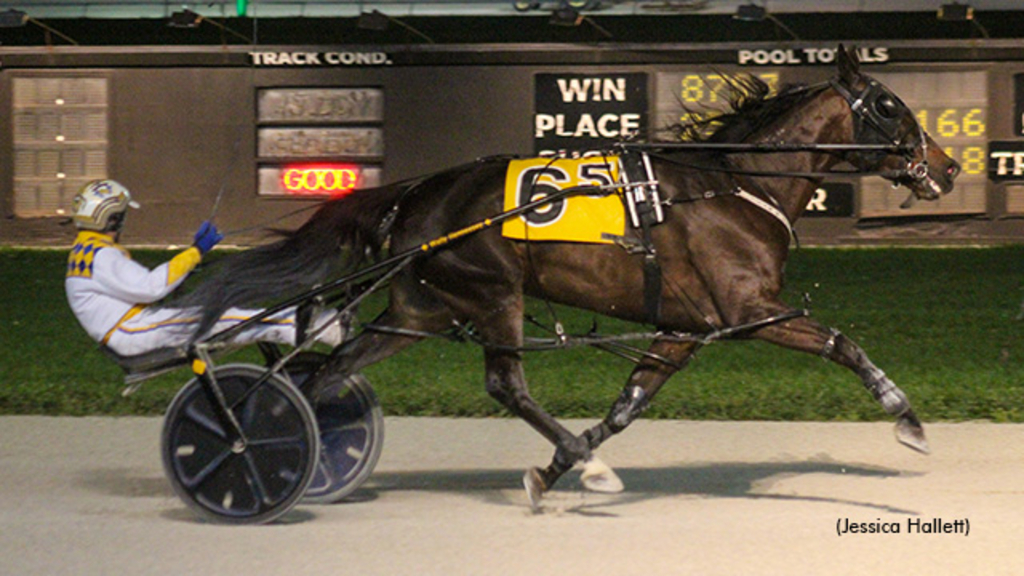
664, 28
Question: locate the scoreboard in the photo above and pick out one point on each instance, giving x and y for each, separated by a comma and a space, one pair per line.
321, 121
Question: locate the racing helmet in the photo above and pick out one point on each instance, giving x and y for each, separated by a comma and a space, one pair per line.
101, 204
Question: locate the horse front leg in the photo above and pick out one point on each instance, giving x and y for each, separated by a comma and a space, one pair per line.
809, 336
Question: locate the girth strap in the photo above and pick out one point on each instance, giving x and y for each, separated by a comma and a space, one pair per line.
645, 211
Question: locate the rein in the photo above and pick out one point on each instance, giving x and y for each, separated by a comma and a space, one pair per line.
652, 150
615, 344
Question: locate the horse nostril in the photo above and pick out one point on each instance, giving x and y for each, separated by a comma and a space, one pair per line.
953, 170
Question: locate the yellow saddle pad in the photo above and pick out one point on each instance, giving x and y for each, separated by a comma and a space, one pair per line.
573, 219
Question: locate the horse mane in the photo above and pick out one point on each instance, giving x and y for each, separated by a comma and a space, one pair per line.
751, 107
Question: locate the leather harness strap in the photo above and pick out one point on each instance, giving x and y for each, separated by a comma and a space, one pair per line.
768, 207
645, 210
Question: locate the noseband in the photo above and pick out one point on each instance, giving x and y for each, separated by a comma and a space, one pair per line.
876, 107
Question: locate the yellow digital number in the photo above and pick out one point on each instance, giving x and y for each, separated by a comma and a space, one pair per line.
953, 122
716, 85
772, 80
946, 125
711, 88
973, 124
693, 88
973, 160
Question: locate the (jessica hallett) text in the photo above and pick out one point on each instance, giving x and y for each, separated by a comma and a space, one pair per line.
912, 526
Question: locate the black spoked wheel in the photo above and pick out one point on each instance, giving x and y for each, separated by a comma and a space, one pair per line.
351, 425
227, 481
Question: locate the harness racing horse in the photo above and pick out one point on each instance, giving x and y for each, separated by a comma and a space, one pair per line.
720, 249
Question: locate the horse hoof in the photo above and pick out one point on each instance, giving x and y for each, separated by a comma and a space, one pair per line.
599, 477
910, 433
534, 484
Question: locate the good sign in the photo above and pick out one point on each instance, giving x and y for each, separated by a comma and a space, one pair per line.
316, 180
320, 180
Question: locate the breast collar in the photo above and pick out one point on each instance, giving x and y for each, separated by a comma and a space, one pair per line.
772, 208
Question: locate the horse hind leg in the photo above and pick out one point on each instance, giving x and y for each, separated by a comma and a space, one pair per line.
502, 330
809, 336
664, 359
506, 383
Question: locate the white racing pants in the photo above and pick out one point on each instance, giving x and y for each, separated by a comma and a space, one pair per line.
153, 328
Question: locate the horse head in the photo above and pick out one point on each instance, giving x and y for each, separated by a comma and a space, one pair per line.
878, 116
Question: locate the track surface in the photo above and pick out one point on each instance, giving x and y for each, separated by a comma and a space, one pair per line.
87, 496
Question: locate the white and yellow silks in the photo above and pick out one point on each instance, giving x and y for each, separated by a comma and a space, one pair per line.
110, 295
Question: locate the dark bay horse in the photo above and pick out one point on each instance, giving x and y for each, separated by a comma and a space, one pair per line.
721, 256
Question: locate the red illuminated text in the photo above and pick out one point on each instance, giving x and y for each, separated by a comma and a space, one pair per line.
320, 180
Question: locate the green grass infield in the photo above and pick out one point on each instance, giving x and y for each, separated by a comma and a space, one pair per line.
942, 323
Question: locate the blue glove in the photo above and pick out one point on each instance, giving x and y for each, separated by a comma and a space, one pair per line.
207, 237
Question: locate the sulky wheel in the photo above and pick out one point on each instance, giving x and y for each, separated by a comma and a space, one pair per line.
232, 482
351, 425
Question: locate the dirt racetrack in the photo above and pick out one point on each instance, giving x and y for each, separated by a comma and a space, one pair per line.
83, 496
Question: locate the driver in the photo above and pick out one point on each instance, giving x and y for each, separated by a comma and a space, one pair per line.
111, 295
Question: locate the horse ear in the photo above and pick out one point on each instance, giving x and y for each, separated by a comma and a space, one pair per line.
849, 64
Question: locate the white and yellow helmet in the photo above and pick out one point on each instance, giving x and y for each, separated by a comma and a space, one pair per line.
98, 202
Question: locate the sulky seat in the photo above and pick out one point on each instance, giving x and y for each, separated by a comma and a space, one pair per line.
144, 366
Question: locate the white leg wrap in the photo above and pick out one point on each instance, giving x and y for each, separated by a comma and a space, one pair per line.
893, 400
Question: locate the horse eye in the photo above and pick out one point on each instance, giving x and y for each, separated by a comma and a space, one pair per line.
886, 107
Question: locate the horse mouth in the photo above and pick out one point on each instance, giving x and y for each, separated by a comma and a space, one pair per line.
932, 187
932, 190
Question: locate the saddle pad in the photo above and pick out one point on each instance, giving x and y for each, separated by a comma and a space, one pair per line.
573, 219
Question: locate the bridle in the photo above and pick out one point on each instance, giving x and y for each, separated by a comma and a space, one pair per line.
877, 115
877, 108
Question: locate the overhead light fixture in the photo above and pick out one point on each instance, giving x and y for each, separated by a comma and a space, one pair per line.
375, 20
566, 16
13, 19
17, 19
379, 21
184, 19
754, 13
750, 13
957, 12
525, 5
188, 19
569, 16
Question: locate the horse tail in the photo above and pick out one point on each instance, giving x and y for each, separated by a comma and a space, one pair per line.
339, 236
